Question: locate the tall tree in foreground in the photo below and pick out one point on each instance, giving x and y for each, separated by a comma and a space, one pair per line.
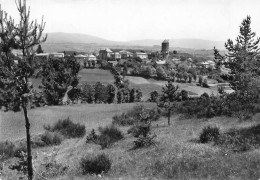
15, 88
168, 98
243, 56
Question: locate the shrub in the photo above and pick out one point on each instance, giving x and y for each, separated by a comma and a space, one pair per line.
21, 165
200, 80
209, 134
111, 131
142, 130
52, 169
241, 139
205, 83
7, 149
95, 165
51, 138
108, 136
92, 137
132, 116
184, 95
67, 128
154, 96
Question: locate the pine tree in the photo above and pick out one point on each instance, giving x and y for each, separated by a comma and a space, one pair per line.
242, 55
16, 89
168, 98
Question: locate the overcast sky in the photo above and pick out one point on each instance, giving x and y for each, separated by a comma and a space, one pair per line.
124, 20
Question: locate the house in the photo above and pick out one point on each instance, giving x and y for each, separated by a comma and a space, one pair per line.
125, 54
141, 55
58, 55
211, 63
115, 55
204, 64
161, 62
105, 54
176, 61
92, 58
81, 59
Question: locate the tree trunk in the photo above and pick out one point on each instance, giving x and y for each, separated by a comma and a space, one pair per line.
169, 117
28, 141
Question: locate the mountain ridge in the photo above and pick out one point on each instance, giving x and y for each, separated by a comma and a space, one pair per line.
69, 40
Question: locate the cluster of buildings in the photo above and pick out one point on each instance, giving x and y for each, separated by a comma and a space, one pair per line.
107, 54
113, 56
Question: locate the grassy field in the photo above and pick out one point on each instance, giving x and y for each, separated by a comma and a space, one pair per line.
176, 155
146, 85
12, 124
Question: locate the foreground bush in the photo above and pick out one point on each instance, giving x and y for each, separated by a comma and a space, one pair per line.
51, 138
107, 136
203, 163
67, 128
7, 149
240, 140
95, 165
237, 104
209, 134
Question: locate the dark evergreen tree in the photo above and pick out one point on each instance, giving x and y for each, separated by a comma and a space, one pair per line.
243, 56
168, 98
39, 49
132, 95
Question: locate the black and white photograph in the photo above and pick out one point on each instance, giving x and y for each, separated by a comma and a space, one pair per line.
129, 89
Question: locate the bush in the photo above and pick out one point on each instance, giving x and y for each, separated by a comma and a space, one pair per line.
51, 138
241, 139
7, 149
112, 132
205, 83
92, 137
108, 136
132, 116
95, 165
52, 169
200, 80
209, 134
67, 128
154, 95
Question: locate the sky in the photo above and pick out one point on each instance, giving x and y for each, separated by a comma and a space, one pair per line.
125, 20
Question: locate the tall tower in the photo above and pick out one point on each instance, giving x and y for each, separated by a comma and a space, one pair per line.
165, 48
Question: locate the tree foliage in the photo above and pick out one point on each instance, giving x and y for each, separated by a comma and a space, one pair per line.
168, 98
57, 76
243, 57
16, 89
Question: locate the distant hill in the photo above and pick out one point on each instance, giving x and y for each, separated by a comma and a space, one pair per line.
182, 43
60, 41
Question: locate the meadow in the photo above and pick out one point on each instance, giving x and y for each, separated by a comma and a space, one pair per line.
12, 124
176, 153
146, 85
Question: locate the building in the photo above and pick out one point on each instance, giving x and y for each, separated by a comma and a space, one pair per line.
115, 55
105, 54
125, 54
81, 59
92, 58
176, 60
165, 49
141, 55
